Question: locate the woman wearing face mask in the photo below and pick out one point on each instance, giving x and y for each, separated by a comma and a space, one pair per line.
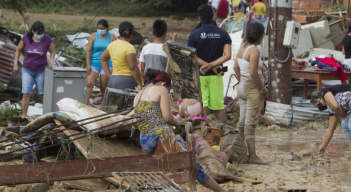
97, 44
125, 73
337, 99
35, 44
153, 104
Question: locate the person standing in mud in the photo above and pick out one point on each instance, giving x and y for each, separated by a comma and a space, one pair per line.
125, 72
35, 44
337, 99
97, 44
213, 46
251, 89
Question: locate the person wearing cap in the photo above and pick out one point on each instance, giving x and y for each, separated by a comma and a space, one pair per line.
337, 100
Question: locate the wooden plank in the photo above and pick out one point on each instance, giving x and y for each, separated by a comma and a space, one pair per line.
191, 147
168, 69
93, 168
305, 88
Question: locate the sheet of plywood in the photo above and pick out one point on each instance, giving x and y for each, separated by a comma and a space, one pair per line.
103, 147
184, 70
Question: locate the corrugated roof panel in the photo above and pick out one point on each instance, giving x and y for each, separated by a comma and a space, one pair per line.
7, 53
81, 40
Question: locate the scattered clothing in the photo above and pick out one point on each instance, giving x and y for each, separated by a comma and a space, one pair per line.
322, 66
154, 57
259, 8
118, 53
29, 78
333, 63
99, 46
35, 53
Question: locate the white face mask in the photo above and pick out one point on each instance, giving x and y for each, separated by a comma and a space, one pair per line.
101, 32
38, 36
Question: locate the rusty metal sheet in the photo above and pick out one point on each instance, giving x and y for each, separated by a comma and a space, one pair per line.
93, 168
7, 53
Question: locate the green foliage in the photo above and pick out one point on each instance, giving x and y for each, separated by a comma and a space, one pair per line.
114, 8
9, 112
77, 53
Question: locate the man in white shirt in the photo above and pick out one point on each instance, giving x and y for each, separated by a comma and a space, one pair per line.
214, 4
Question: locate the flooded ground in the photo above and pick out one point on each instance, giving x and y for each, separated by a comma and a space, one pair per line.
295, 164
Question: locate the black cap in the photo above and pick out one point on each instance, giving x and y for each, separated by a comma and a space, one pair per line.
315, 95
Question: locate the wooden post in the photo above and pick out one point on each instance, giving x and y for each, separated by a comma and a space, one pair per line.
340, 14
347, 13
168, 70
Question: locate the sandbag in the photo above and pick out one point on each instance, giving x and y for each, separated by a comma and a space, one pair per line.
44, 120
234, 146
214, 162
85, 111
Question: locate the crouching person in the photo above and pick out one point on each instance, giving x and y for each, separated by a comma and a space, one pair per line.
337, 100
152, 104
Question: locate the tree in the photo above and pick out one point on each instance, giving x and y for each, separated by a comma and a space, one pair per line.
19, 5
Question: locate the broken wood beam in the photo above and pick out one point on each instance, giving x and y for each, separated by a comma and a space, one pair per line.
93, 168
338, 17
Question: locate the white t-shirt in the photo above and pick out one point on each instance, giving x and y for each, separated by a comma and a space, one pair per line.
154, 57
214, 3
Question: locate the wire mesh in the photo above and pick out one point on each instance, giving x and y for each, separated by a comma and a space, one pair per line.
147, 181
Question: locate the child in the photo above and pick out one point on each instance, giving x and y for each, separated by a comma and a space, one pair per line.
152, 56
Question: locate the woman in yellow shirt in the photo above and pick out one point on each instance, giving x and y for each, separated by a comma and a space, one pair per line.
125, 73
259, 9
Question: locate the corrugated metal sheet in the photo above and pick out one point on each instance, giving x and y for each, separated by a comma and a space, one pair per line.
317, 52
115, 31
302, 112
7, 53
81, 40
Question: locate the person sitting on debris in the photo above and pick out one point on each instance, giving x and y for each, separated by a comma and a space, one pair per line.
154, 106
152, 56
213, 46
125, 73
251, 89
337, 100
346, 49
97, 44
35, 44
259, 9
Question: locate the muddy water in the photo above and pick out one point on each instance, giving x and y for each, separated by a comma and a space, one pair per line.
294, 163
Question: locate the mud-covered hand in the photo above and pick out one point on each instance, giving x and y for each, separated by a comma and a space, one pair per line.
205, 68
321, 149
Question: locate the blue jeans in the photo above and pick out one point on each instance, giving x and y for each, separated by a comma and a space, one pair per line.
31, 77
346, 125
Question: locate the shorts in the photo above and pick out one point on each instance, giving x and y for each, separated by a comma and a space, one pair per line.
219, 21
29, 78
99, 70
122, 82
149, 144
212, 92
345, 124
